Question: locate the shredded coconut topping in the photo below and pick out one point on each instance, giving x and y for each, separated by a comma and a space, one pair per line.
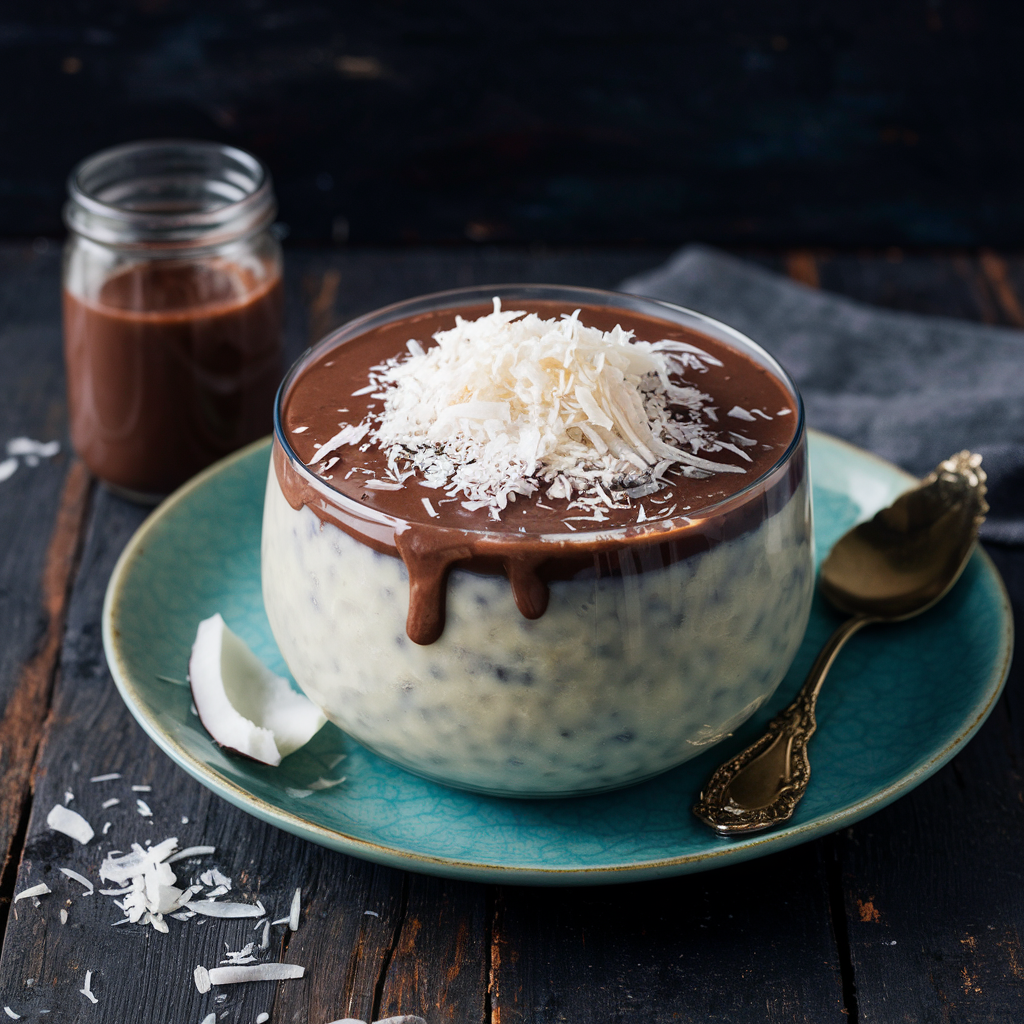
509, 403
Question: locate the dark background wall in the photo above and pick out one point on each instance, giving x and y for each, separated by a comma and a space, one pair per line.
740, 122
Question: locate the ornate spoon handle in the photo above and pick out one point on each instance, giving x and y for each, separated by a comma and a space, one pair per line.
760, 787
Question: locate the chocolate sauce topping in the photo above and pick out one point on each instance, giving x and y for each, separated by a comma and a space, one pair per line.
537, 539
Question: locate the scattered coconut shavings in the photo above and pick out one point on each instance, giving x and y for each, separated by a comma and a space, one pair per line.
63, 916
254, 972
265, 941
34, 890
508, 403
262, 1018
112, 802
143, 808
405, 1018
86, 989
383, 485
370, 913
201, 976
106, 827
280, 920
81, 879
293, 913
71, 823
783, 412
7, 468
142, 789
10, 1013
68, 797
210, 1018
431, 511
210, 908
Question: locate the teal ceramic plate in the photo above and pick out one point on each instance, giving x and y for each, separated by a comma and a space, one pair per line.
900, 702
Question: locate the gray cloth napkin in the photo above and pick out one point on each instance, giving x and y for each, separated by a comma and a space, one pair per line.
913, 389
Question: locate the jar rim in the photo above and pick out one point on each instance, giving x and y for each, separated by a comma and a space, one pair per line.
236, 197
474, 295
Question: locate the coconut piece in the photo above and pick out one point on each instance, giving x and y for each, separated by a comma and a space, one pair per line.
210, 908
243, 705
262, 1018
214, 877
63, 916
81, 879
142, 789
255, 972
265, 941
109, 777
112, 802
86, 989
143, 808
10, 1013
210, 1018
71, 823
201, 976
293, 914
35, 890
405, 1018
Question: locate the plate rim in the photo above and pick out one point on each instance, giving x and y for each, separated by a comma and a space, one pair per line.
724, 852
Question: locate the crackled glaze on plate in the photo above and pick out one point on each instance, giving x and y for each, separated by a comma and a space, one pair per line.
899, 703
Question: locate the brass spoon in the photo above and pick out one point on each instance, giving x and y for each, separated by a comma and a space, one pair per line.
888, 569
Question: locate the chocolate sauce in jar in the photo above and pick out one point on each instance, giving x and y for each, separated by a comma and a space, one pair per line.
170, 368
172, 310
536, 540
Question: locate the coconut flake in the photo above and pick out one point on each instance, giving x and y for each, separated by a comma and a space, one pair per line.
383, 485
201, 976
210, 908
142, 789
262, 1018
34, 890
25, 446
112, 802
210, 1018
86, 989
71, 823
191, 851
81, 879
265, 940
247, 707
255, 972
214, 877
293, 913
143, 808
737, 412
323, 783
63, 916
10, 1013
405, 1018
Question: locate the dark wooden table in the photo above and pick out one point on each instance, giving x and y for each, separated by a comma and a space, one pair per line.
915, 914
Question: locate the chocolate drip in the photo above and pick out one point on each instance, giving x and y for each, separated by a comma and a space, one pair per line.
529, 591
428, 556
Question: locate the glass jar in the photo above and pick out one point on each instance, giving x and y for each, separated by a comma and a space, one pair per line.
172, 310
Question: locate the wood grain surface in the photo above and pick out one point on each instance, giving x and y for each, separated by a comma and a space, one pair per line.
914, 914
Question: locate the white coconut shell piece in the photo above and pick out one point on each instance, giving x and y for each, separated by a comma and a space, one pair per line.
255, 972
71, 823
243, 705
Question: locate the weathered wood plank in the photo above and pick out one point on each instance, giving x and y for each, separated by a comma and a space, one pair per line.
41, 516
751, 942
